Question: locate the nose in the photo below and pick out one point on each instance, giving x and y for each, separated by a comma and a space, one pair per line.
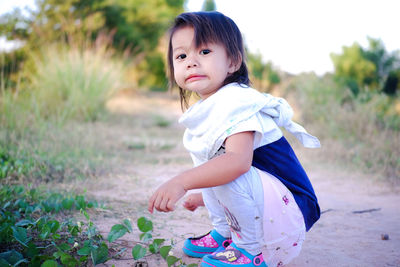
192, 62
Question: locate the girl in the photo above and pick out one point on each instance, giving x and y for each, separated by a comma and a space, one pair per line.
259, 198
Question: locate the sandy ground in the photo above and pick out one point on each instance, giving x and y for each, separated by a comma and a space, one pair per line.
357, 208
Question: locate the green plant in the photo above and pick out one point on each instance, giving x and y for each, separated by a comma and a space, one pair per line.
33, 231
9, 165
30, 231
148, 243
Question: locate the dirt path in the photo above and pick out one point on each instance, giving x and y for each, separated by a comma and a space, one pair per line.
146, 150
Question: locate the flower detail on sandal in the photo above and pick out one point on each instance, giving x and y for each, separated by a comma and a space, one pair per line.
205, 244
205, 241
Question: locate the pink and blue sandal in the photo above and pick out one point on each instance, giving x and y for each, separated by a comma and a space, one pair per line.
233, 256
206, 244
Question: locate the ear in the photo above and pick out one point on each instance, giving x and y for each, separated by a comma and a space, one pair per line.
234, 66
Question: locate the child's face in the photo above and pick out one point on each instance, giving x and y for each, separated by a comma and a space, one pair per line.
199, 69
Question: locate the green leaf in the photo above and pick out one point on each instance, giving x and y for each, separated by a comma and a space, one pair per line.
116, 232
193, 265
20, 261
84, 251
144, 224
54, 225
145, 237
158, 241
138, 252
49, 263
73, 230
4, 263
91, 231
31, 251
85, 214
80, 202
58, 254
45, 232
171, 260
11, 256
24, 223
20, 235
67, 203
100, 254
64, 247
155, 246
128, 225
164, 251
83, 259
68, 260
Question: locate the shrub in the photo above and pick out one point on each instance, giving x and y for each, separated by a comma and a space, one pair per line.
367, 127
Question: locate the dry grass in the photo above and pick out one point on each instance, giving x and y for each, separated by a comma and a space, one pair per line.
350, 131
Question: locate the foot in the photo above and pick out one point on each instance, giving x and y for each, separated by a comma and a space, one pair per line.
233, 256
200, 246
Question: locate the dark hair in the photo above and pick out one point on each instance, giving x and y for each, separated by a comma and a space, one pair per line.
216, 28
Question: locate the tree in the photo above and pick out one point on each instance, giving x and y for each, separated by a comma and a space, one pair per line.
209, 5
367, 69
264, 75
387, 65
136, 25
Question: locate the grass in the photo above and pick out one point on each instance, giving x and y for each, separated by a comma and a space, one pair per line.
38, 118
365, 130
74, 84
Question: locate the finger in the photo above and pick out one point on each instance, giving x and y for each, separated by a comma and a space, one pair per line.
188, 206
163, 204
150, 206
157, 202
171, 205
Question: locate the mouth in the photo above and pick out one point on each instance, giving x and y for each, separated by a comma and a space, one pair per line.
194, 77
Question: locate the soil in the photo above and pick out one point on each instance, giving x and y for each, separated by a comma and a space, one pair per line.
360, 222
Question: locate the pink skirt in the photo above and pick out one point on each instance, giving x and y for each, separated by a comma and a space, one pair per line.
283, 223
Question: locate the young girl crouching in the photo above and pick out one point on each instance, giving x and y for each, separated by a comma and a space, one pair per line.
258, 196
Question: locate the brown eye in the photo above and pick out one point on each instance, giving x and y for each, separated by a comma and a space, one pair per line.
181, 56
205, 51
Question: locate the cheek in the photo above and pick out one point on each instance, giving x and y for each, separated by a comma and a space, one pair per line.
177, 76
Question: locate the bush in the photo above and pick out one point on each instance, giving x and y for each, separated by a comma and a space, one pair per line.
367, 127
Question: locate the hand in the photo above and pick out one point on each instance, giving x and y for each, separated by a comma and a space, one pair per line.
193, 201
166, 196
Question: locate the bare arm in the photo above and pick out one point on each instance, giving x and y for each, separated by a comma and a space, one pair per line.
217, 171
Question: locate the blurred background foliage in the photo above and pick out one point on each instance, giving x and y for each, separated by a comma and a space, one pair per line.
134, 26
368, 69
70, 56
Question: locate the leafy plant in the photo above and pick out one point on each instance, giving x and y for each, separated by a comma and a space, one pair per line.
31, 232
154, 245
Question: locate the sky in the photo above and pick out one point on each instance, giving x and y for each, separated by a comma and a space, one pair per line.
299, 35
